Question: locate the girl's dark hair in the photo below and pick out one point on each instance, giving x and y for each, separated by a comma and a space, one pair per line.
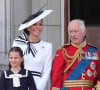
17, 49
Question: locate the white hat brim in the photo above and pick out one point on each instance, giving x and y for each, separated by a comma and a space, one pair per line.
41, 16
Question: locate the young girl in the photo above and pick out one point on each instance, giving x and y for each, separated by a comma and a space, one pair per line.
16, 78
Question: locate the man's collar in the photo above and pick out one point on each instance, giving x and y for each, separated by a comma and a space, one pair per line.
83, 44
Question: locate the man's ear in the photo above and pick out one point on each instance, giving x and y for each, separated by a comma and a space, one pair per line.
84, 33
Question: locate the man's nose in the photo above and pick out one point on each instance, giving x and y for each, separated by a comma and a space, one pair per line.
73, 33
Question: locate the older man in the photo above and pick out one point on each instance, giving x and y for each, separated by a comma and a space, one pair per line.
76, 65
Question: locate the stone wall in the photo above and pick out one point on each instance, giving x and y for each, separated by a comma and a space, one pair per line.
2, 68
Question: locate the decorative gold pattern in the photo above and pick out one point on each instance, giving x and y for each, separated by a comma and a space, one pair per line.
78, 83
83, 74
89, 73
95, 73
92, 66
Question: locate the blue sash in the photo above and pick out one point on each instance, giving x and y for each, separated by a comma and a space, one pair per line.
81, 66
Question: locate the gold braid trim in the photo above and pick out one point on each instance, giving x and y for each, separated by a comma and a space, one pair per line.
74, 58
54, 88
78, 83
78, 54
65, 54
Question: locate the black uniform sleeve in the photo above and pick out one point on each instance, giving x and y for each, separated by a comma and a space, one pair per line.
2, 82
32, 85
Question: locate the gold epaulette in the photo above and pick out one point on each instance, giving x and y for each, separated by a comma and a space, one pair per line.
91, 45
65, 45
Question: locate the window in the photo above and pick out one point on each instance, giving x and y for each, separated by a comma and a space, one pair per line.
87, 10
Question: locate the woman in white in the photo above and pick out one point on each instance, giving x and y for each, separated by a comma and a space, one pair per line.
37, 53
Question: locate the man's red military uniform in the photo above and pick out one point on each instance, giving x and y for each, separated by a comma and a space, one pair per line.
66, 60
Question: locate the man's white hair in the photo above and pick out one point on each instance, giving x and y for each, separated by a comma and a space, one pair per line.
80, 22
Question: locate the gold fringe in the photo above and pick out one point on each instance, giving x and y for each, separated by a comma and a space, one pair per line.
78, 54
